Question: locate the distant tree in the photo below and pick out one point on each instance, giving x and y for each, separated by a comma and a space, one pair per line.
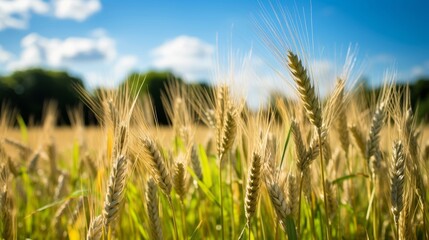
152, 83
420, 98
29, 90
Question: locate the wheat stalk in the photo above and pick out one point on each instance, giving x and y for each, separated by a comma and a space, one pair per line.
359, 139
195, 162
95, 230
179, 180
373, 142
253, 187
300, 150
278, 199
306, 90
397, 177
156, 161
115, 190
292, 194
229, 132
342, 119
152, 210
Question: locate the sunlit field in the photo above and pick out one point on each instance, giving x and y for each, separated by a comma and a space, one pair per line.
348, 163
221, 170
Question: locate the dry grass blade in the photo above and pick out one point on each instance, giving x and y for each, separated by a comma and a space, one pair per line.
152, 210
115, 190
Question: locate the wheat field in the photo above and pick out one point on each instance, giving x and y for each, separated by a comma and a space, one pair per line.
346, 166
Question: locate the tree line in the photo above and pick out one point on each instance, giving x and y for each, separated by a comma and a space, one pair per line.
28, 91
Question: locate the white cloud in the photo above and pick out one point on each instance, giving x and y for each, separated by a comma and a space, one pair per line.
76, 9
5, 56
124, 65
38, 50
417, 71
112, 76
187, 56
16, 13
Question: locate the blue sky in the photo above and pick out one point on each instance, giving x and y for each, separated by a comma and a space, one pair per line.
102, 41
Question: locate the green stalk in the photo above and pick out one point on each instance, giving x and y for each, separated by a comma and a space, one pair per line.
176, 233
323, 184
221, 197
185, 232
299, 204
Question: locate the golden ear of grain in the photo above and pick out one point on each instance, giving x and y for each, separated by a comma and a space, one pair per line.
95, 230
373, 142
179, 181
278, 199
397, 178
359, 139
331, 199
342, 118
61, 188
253, 186
195, 162
305, 89
157, 165
115, 190
292, 194
300, 150
5, 213
152, 210
229, 132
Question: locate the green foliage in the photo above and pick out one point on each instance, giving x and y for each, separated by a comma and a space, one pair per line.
28, 91
153, 84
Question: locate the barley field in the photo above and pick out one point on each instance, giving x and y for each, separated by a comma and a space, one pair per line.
345, 166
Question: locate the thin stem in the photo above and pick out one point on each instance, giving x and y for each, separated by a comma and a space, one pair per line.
185, 232
397, 231
277, 230
299, 204
221, 196
323, 184
242, 232
232, 200
176, 233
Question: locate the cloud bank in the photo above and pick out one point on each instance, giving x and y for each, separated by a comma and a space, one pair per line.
17, 13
